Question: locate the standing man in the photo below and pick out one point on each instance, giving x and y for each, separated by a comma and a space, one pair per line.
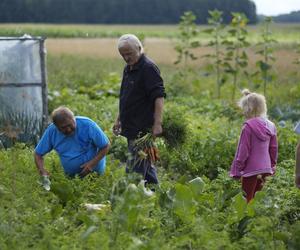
297, 167
141, 102
79, 142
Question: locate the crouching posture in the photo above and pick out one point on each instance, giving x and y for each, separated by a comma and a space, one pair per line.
79, 142
256, 154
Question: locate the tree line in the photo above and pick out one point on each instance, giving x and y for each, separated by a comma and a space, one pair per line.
293, 17
119, 11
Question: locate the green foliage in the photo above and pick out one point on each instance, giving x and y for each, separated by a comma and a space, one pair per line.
287, 142
187, 38
266, 52
196, 201
216, 32
174, 127
22, 127
236, 58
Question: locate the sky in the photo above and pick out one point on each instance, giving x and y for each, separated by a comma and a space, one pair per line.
275, 7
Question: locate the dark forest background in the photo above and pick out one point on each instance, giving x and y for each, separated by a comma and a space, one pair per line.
119, 11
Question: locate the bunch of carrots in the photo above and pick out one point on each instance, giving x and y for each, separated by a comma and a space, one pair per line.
146, 148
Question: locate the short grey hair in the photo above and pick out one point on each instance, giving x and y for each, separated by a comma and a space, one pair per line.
132, 40
61, 114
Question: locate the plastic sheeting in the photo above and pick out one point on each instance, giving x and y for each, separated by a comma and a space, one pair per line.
21, 83
20, 61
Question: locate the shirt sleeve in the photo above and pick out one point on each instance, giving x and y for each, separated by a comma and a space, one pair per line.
273, 151
99, 138
153, 83
243, 149
45, 145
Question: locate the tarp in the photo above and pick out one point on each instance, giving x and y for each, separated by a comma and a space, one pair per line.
21, 88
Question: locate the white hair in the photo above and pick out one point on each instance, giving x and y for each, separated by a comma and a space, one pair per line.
132, 40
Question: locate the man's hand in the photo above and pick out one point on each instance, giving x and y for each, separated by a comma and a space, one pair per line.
86, 169
158, 110
297, 181
157, 130
39, 162
44, 172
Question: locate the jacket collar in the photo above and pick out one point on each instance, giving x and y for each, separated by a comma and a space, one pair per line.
136, 66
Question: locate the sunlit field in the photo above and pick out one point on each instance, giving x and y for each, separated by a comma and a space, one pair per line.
161, 50
84, 72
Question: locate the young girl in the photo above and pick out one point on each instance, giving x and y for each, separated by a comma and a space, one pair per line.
256, 154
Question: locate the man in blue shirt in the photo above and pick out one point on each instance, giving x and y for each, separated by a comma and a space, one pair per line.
79, 142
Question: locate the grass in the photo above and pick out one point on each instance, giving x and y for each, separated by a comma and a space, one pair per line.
159, 49
284, 33
87, 31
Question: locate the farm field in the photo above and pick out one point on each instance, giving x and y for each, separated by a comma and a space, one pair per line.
161, 50
84, 74
285, 33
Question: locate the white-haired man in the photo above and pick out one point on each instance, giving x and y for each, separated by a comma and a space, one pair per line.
141, 101
80, 143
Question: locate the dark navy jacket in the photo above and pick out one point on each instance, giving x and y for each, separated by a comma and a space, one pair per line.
140, 86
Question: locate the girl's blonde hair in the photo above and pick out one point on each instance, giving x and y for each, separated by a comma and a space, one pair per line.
253, 104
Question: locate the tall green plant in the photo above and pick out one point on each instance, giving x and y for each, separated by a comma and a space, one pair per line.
266, 50
217, 33
236, 58
187, 39
297, 60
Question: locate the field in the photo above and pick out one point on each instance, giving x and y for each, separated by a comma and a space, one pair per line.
84, 73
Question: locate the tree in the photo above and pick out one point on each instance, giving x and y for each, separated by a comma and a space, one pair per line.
118, 11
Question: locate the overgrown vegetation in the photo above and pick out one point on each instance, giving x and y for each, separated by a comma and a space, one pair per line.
185, 212
187, 39
266, 51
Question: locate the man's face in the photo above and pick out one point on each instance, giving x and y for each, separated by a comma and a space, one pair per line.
130, 54
67, 127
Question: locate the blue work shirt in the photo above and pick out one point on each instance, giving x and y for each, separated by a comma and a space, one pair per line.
75, 150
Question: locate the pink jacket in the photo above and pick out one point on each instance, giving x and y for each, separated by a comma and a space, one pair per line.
257, 149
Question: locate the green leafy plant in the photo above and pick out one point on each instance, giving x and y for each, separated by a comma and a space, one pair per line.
175, 129
22, 126
236, 58
187, 38
217, 33
266, 52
